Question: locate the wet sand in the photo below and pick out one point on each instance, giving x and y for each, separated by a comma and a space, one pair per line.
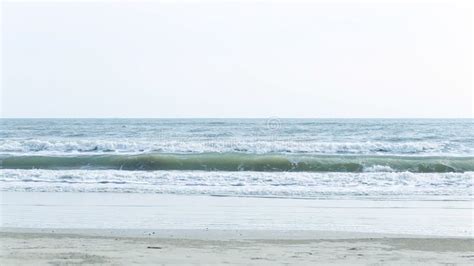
124, 229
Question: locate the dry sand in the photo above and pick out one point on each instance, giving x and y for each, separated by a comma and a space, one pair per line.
158, 247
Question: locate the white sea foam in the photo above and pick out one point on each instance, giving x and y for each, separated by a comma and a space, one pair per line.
37, 146
256, 184
379, 168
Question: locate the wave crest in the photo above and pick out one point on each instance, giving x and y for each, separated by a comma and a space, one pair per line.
244, 162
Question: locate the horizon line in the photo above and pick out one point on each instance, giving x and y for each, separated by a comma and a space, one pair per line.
268, 117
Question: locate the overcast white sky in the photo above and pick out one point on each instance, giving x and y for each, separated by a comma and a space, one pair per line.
236, 60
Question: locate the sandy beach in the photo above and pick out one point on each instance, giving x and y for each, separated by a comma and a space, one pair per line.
66, 246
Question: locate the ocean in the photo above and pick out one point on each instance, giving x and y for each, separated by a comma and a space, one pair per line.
381, 159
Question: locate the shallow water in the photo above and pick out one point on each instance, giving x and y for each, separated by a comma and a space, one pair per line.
154, 211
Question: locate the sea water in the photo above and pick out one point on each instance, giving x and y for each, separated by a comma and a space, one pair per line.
290, 158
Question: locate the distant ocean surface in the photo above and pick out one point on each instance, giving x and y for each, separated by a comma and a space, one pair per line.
291, 158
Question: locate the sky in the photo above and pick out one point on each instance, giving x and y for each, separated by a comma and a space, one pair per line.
236, 59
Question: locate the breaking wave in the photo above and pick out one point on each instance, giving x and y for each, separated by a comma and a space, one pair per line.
245, 184
244, 162
251, 146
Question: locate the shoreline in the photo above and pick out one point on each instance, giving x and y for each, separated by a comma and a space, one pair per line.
43, 228
159, 211
215, 234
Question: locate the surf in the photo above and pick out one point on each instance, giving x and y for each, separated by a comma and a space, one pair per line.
244, 162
